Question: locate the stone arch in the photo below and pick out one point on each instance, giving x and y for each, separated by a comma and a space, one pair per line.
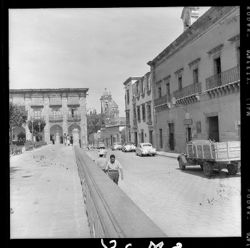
56, 134
74, 131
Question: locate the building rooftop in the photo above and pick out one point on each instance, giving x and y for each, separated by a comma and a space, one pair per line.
14, 91
197, 29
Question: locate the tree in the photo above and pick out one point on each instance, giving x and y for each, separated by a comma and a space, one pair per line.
94, 122
36, 127
17, 117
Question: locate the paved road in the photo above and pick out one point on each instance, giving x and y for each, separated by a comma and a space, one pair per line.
182, 203
46, 195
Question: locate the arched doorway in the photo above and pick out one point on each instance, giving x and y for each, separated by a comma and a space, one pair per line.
74, 132
56, 134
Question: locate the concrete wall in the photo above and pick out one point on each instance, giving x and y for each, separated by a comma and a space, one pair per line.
111, 213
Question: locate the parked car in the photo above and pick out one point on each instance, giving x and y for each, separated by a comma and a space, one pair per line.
145, 149
116, 146
129, 147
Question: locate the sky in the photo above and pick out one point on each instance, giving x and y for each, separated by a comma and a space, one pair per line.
88, 48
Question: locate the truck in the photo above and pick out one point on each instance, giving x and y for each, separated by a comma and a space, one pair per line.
210, 156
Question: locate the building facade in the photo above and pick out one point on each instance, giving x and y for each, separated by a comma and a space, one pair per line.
139, 109
63, 110
196, 82
114, 124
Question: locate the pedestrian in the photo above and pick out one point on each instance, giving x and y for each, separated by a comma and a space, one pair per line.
101, 162
65, 139
68, 140
113, 169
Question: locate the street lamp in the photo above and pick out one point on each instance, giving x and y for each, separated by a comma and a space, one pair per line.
32, 129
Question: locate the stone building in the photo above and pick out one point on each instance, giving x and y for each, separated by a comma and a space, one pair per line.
196, 82
63, 110
139, 109
114, 124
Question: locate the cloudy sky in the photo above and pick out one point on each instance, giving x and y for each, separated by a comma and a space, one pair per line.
88, 48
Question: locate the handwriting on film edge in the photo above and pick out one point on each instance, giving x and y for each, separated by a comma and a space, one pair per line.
151, 244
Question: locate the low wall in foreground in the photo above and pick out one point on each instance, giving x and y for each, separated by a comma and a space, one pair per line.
111, 213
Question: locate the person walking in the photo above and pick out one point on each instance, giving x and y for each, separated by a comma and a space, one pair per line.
113, 169
101, 162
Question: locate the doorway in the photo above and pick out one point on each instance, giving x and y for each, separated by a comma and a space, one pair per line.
136, 141
213, 128
171, 136
151, 137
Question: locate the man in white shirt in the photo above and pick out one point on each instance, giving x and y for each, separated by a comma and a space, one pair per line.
113, 169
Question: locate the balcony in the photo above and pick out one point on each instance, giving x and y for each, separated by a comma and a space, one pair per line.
55, 101
149, 121
162, 100
55, 118
225, 82
74, 118
188, 91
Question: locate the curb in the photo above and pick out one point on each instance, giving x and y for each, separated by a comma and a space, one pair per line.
175, 155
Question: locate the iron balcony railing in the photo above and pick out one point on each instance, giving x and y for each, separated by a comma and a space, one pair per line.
225, 77
187, 91
55, 118
74, 117
162, 100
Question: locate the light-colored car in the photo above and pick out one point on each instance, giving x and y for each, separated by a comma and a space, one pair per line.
116, 146
145, 149
129, 148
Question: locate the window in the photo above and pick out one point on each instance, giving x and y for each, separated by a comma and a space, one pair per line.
161, 138
149, 113
217, 70
196, 76
159, 92
127, 96
180, 82
138, 114
143, 112
37, 114
168, 90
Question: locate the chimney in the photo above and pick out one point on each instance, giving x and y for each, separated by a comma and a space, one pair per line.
189, 15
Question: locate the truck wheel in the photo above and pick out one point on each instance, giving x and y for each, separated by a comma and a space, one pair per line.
207, 169
232, 169
181, 163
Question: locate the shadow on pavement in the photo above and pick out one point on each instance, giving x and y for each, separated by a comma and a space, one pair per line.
197, 171
13, 169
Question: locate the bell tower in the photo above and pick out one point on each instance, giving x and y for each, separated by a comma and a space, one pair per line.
189, 15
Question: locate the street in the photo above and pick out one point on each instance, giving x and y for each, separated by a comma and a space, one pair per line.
46, 196
182, 203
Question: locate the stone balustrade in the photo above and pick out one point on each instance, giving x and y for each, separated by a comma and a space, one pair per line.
111, 213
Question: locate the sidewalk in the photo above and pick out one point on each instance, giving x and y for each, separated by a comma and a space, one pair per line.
168, 154
46, 195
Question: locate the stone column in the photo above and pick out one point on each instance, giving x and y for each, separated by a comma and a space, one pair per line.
46, 112
83, 123
65, 114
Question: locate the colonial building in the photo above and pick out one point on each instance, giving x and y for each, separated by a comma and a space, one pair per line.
63, 110
114, 124
139, 111
196, 82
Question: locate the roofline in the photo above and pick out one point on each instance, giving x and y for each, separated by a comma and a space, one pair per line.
129, 79
18, 91
188, 32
